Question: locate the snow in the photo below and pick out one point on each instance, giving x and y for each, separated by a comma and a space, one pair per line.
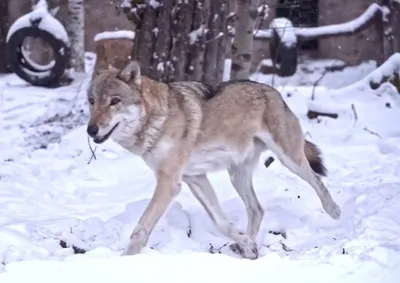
195, 34
324, 30
48, 23
285, 31
154, 4
263, 10
49, 193
125, 4
127, 34
308, 72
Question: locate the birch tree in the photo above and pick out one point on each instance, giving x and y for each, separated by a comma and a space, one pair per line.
76, 32
243, 40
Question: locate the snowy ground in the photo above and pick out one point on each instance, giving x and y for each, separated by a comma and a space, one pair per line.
51, 197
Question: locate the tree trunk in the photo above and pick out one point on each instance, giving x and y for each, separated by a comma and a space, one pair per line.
212, 44
198, 40
243, 40
396, 25
76, 33
162, 65
145, 38
221, 55
182, 17
180, 40
3, 34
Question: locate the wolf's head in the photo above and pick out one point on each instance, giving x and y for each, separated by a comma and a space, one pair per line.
115, 103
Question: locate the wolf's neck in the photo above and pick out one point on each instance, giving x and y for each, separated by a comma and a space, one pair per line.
147, 130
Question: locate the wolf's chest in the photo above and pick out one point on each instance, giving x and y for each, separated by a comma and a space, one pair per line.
214, 159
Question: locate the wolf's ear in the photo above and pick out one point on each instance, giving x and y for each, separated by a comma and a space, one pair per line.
131, 73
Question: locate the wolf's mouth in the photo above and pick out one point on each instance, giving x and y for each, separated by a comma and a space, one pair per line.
106, 136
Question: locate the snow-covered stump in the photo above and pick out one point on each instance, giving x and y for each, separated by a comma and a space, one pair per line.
106, 45
283, 47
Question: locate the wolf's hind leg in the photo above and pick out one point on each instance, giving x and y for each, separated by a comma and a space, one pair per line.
204, 192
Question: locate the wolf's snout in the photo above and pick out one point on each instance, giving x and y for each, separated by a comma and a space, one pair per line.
92, 130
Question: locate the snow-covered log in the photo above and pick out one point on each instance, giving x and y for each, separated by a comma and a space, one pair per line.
243, 40
373, 12
76, 33
389, 71
106, 44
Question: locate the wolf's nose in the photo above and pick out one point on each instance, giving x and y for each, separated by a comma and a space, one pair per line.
92, 130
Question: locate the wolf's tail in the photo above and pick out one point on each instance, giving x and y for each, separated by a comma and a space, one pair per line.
313, 155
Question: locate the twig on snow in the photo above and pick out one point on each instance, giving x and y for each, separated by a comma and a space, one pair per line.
372, 132
317, 82
355, 113
214, 250
92, 151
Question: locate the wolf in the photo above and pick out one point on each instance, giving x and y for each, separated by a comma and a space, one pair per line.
184, 130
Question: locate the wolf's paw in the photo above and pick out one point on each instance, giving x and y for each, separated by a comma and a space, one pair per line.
249, 251
333, 210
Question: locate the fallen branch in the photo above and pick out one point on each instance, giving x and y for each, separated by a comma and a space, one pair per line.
311, 114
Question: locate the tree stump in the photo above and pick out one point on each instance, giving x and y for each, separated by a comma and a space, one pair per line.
113, 49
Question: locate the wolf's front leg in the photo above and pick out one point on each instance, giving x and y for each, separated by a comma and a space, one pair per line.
167, 188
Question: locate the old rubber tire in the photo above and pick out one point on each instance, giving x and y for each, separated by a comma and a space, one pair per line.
21, 66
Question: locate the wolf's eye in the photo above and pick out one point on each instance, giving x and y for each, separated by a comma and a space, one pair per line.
91, 100
115, 100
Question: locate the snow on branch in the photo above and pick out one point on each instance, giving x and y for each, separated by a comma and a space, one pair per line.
351, 27
354, 26
125, 34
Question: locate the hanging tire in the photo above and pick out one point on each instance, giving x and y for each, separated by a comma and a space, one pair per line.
39, 76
